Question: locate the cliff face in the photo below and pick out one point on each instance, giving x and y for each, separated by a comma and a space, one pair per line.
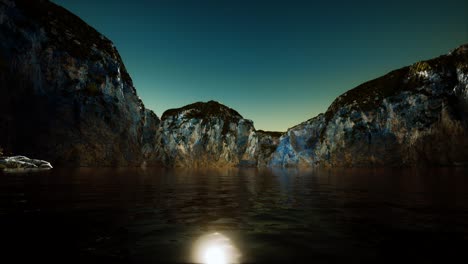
211, 134
414, 115
65, 95
296, 146
417, 115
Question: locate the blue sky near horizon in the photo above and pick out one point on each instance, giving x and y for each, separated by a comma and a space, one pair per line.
278, 63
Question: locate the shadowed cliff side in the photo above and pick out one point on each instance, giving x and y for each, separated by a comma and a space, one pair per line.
65, 95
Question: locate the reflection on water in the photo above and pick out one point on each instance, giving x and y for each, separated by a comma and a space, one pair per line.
215, 248
155, 215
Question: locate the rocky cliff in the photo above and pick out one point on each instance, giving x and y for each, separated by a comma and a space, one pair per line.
411, 116
211, 134
65, 95
417, 115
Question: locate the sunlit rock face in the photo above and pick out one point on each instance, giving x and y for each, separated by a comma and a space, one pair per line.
65, 95
414, 115
211, 134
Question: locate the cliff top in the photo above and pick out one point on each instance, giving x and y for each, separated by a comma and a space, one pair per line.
64, 31
370, 94
202, 110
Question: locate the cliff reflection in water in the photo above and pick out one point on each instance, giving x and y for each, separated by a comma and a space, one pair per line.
156, 215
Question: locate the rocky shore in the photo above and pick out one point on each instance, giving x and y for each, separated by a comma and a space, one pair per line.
18, 163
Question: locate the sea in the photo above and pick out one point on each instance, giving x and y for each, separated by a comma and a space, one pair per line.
234, 215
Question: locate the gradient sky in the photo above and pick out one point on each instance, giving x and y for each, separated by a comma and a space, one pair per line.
276, 62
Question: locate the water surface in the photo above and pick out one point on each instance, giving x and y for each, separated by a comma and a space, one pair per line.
155, 215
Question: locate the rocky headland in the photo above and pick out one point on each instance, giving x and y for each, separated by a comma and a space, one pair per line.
211, 134
417, 115
65, 95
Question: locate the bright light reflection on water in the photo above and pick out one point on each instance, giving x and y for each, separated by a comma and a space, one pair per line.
215, 248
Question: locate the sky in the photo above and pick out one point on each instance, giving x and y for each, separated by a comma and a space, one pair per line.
278, 63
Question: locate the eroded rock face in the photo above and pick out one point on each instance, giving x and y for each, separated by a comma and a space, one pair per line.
297, 144
211, 134
411, 116
417, 115
65, 95
265, 145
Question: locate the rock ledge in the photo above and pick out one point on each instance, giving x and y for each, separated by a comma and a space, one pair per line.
22, 162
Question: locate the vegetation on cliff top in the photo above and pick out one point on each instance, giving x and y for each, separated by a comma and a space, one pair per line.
202, 110
370, 95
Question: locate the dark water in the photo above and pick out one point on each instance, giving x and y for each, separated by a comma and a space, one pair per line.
282, 216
